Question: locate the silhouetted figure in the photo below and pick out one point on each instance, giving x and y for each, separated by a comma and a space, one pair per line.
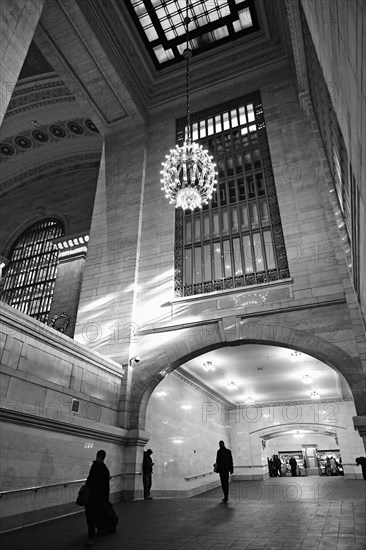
293, 466
361, 461
98, 483
277, 464
224, 467
147, 469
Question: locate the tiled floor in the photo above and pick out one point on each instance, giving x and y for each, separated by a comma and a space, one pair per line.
276, 514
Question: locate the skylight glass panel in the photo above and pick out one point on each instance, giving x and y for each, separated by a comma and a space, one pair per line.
145, 21
151, 33
245, 18
162, 54
211, 21
221, 33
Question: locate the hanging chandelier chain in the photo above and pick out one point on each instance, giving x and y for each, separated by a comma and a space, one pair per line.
188, 106
187, 55
188, 174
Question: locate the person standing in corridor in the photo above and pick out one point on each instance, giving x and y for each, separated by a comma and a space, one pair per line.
224, 467
147, 469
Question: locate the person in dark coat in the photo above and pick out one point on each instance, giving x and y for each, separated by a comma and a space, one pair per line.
277, 464
147, 470
293, 466
224, 467
98, 483
361, 461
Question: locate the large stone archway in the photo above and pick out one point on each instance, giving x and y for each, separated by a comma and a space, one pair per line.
163, 351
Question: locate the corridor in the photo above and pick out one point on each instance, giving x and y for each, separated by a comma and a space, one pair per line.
311, 513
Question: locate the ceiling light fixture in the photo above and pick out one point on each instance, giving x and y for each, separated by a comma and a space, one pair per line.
208, 366
307, 379
249, 400
232, 386
314, 395
188, 173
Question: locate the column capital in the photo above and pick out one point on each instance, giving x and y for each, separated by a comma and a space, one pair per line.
72, 246
359, 423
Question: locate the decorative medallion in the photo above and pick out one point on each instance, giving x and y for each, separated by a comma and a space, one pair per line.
6, 149
91, 126
75, 128
40, 136
23, 142
60, 321
57, 131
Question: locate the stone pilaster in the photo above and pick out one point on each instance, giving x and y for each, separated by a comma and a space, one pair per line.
65, 300
137, 440
106, 318
360, 425
18, 21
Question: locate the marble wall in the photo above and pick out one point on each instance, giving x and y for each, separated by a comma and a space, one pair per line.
184, 437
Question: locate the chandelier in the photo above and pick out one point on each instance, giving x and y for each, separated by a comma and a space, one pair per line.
188, 173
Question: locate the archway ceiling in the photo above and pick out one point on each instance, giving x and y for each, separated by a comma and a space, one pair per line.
267, 374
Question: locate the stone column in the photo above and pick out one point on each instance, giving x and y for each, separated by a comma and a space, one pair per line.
133, 487
105, 320
66, 294
18, 21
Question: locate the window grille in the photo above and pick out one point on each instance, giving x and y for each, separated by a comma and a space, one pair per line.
236, 240
30, 276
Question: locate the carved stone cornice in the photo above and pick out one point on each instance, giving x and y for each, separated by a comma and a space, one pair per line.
71, 247
293, 16
73, 429
49, 170
46, 134
35, 95
359, 423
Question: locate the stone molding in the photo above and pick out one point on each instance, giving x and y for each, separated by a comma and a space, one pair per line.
50, 169
33, 96
78, 430
197, 387
297, 42
46, 134
289, 403
160, 327
71, 247
16, 323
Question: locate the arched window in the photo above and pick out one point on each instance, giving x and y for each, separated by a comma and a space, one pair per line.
31, 273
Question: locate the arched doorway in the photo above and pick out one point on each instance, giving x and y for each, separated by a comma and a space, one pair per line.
204, 400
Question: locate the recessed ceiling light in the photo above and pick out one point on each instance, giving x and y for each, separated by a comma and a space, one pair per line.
208, 366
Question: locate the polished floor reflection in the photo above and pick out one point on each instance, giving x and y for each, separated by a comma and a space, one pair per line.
277, 514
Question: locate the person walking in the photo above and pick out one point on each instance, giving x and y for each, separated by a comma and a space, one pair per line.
293, 466
98, 484
147, 470
224, 467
